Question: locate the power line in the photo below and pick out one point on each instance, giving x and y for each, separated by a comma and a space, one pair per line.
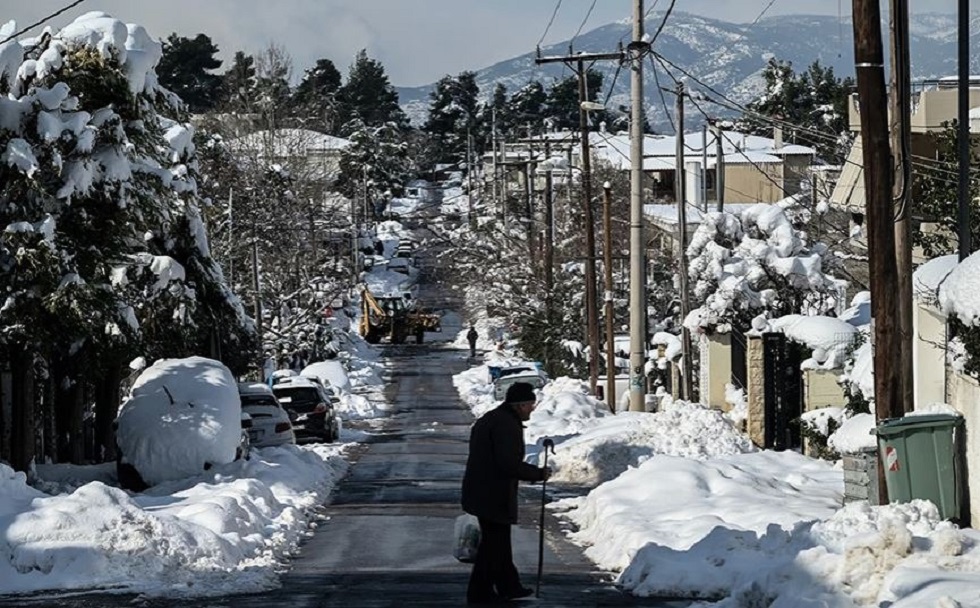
57, 13
734, 105
584, 21
670, 9
550, 23
754, 22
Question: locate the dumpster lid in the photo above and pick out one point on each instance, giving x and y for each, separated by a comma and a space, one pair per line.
914, 421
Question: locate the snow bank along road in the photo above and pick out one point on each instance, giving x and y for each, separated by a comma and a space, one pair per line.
387, 540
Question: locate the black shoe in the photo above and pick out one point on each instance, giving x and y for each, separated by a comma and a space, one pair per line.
522, 592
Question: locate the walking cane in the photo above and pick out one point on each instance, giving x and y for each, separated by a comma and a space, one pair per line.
547, 444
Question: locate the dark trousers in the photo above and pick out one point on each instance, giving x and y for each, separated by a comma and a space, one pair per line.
472, 349
494, 566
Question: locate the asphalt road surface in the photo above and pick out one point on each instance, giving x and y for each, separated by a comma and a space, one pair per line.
387, 537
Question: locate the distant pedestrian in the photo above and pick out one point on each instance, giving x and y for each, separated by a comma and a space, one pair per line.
471, 336
493, 468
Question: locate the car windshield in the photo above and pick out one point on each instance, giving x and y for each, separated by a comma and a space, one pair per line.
258, 400
298, 398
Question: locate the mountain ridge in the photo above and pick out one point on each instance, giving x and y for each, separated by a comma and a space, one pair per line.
727, 56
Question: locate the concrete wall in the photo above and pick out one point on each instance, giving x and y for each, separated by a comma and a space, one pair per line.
929, 355
820, 389
755, 391
964, 394
745, 184
716, 369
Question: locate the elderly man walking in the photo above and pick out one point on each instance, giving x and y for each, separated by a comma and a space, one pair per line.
495, 465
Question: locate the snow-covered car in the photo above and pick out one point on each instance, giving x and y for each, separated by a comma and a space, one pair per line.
535, 378
310, 407
331, 372
400, 265
270, 423
182, 417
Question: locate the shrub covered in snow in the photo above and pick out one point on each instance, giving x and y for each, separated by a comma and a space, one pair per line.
757, 262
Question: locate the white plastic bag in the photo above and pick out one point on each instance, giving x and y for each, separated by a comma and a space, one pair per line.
467, 538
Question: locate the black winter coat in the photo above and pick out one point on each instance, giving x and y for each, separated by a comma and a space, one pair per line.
495, 465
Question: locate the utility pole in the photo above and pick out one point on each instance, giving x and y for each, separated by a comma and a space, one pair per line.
493, 141
529, 172
231, 238
869, 63
577, 63
963, 127
681, 191
469, 180
902, 194
719, 168
638, 266
608, 296
256, 284
704, 168
549, 247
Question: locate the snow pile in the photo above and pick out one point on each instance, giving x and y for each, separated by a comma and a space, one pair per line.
860, 375
613, 444
756, 261
859, 312
682, 527
739, 411
854, 434
828, 338
564, 408
927, 278
183, 415
958, 293
228, 530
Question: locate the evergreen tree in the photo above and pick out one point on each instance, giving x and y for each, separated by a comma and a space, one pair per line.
563, 101
186, 69
315, 99
454, 114
369, 96
238, 84
816, 100
375, 165
528, 106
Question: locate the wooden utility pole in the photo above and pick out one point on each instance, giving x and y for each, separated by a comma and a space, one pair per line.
963, 128
902, 195
680, 189
638, 49
577, 63
719, 168
256, 284
549, 248
608, 296
872, 96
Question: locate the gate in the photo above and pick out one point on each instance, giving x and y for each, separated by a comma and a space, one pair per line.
739, 366
783, 392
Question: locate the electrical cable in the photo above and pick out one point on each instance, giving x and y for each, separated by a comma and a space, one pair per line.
734, 105
550, 23
670, 9
57, 13
584, 21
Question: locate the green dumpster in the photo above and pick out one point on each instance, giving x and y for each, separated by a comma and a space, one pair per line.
920, 456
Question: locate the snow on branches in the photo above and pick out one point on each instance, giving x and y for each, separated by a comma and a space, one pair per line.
755, 262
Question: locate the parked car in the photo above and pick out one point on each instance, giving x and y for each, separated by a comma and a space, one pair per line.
330, 373
182, 417
400, 265
310, 407
270, 422
535, 378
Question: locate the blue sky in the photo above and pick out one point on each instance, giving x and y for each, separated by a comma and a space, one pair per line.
417, 40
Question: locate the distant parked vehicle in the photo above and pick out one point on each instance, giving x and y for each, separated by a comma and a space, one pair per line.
310, 407
535, 378
270, 422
